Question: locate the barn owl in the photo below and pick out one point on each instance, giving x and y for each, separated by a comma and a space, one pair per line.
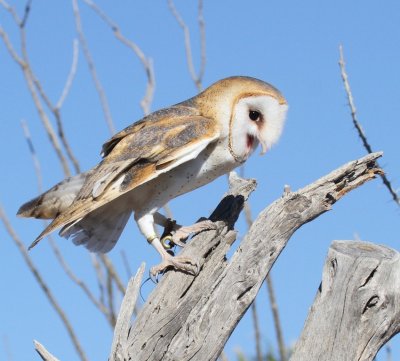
166, 154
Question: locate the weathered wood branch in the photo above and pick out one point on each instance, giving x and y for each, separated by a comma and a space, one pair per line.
43, 353
124, 317
191, 318
357, 307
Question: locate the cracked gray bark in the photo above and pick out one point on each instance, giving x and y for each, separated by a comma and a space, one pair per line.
191, 318
357, 307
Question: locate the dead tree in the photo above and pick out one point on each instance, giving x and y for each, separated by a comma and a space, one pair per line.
191, 318
356, 310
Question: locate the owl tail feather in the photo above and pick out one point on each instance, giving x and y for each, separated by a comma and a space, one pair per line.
98, 231
57, 199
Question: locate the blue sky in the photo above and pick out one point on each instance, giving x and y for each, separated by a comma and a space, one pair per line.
293, 45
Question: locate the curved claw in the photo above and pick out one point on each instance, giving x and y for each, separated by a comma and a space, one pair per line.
183, 264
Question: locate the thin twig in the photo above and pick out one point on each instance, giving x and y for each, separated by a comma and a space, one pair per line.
26, 13
82, 285
110, 297
10, 48
99, 275
126, 264
31, 80
197, 78
113, 273
45, 288
147, 63
34, 156
23, 62
202, 29
57, 108
277, 322
12, 11
358, 126
71, 74
54, 246
257, 335
92, 68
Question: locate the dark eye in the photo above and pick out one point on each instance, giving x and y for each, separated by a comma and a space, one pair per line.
254, 115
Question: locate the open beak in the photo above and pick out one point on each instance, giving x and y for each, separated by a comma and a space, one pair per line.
263, 144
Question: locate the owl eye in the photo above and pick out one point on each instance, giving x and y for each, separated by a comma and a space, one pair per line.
254, 115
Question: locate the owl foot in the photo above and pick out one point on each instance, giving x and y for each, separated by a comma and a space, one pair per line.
179, 234
183, 264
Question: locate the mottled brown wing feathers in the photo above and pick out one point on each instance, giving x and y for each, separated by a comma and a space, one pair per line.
159, 115
136, 155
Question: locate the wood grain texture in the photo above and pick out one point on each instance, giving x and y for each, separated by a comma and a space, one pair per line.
191, 318
121, 330
357, 307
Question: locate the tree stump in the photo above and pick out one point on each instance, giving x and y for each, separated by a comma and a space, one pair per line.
357, 307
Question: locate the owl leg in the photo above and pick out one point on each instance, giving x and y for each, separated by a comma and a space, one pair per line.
184, 264
178, 234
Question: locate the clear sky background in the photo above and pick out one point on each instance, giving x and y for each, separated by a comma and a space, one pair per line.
293, 45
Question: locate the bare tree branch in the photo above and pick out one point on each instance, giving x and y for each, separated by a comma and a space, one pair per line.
257, 334
12, 11
92, 68
23, 62
147, 63
26, 13
112, 271
34, 156
102, 308
57, 108
43, 353
197, 78
110, 298
81, 284
71, 74
358, 126
10, 48
277, 321
45, 288
99, 275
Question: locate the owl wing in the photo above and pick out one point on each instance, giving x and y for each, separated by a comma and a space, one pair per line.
136, 155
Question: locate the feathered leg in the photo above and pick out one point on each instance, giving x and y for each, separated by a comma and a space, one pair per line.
185, 264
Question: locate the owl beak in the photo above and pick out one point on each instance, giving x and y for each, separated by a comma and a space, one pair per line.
263, 144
